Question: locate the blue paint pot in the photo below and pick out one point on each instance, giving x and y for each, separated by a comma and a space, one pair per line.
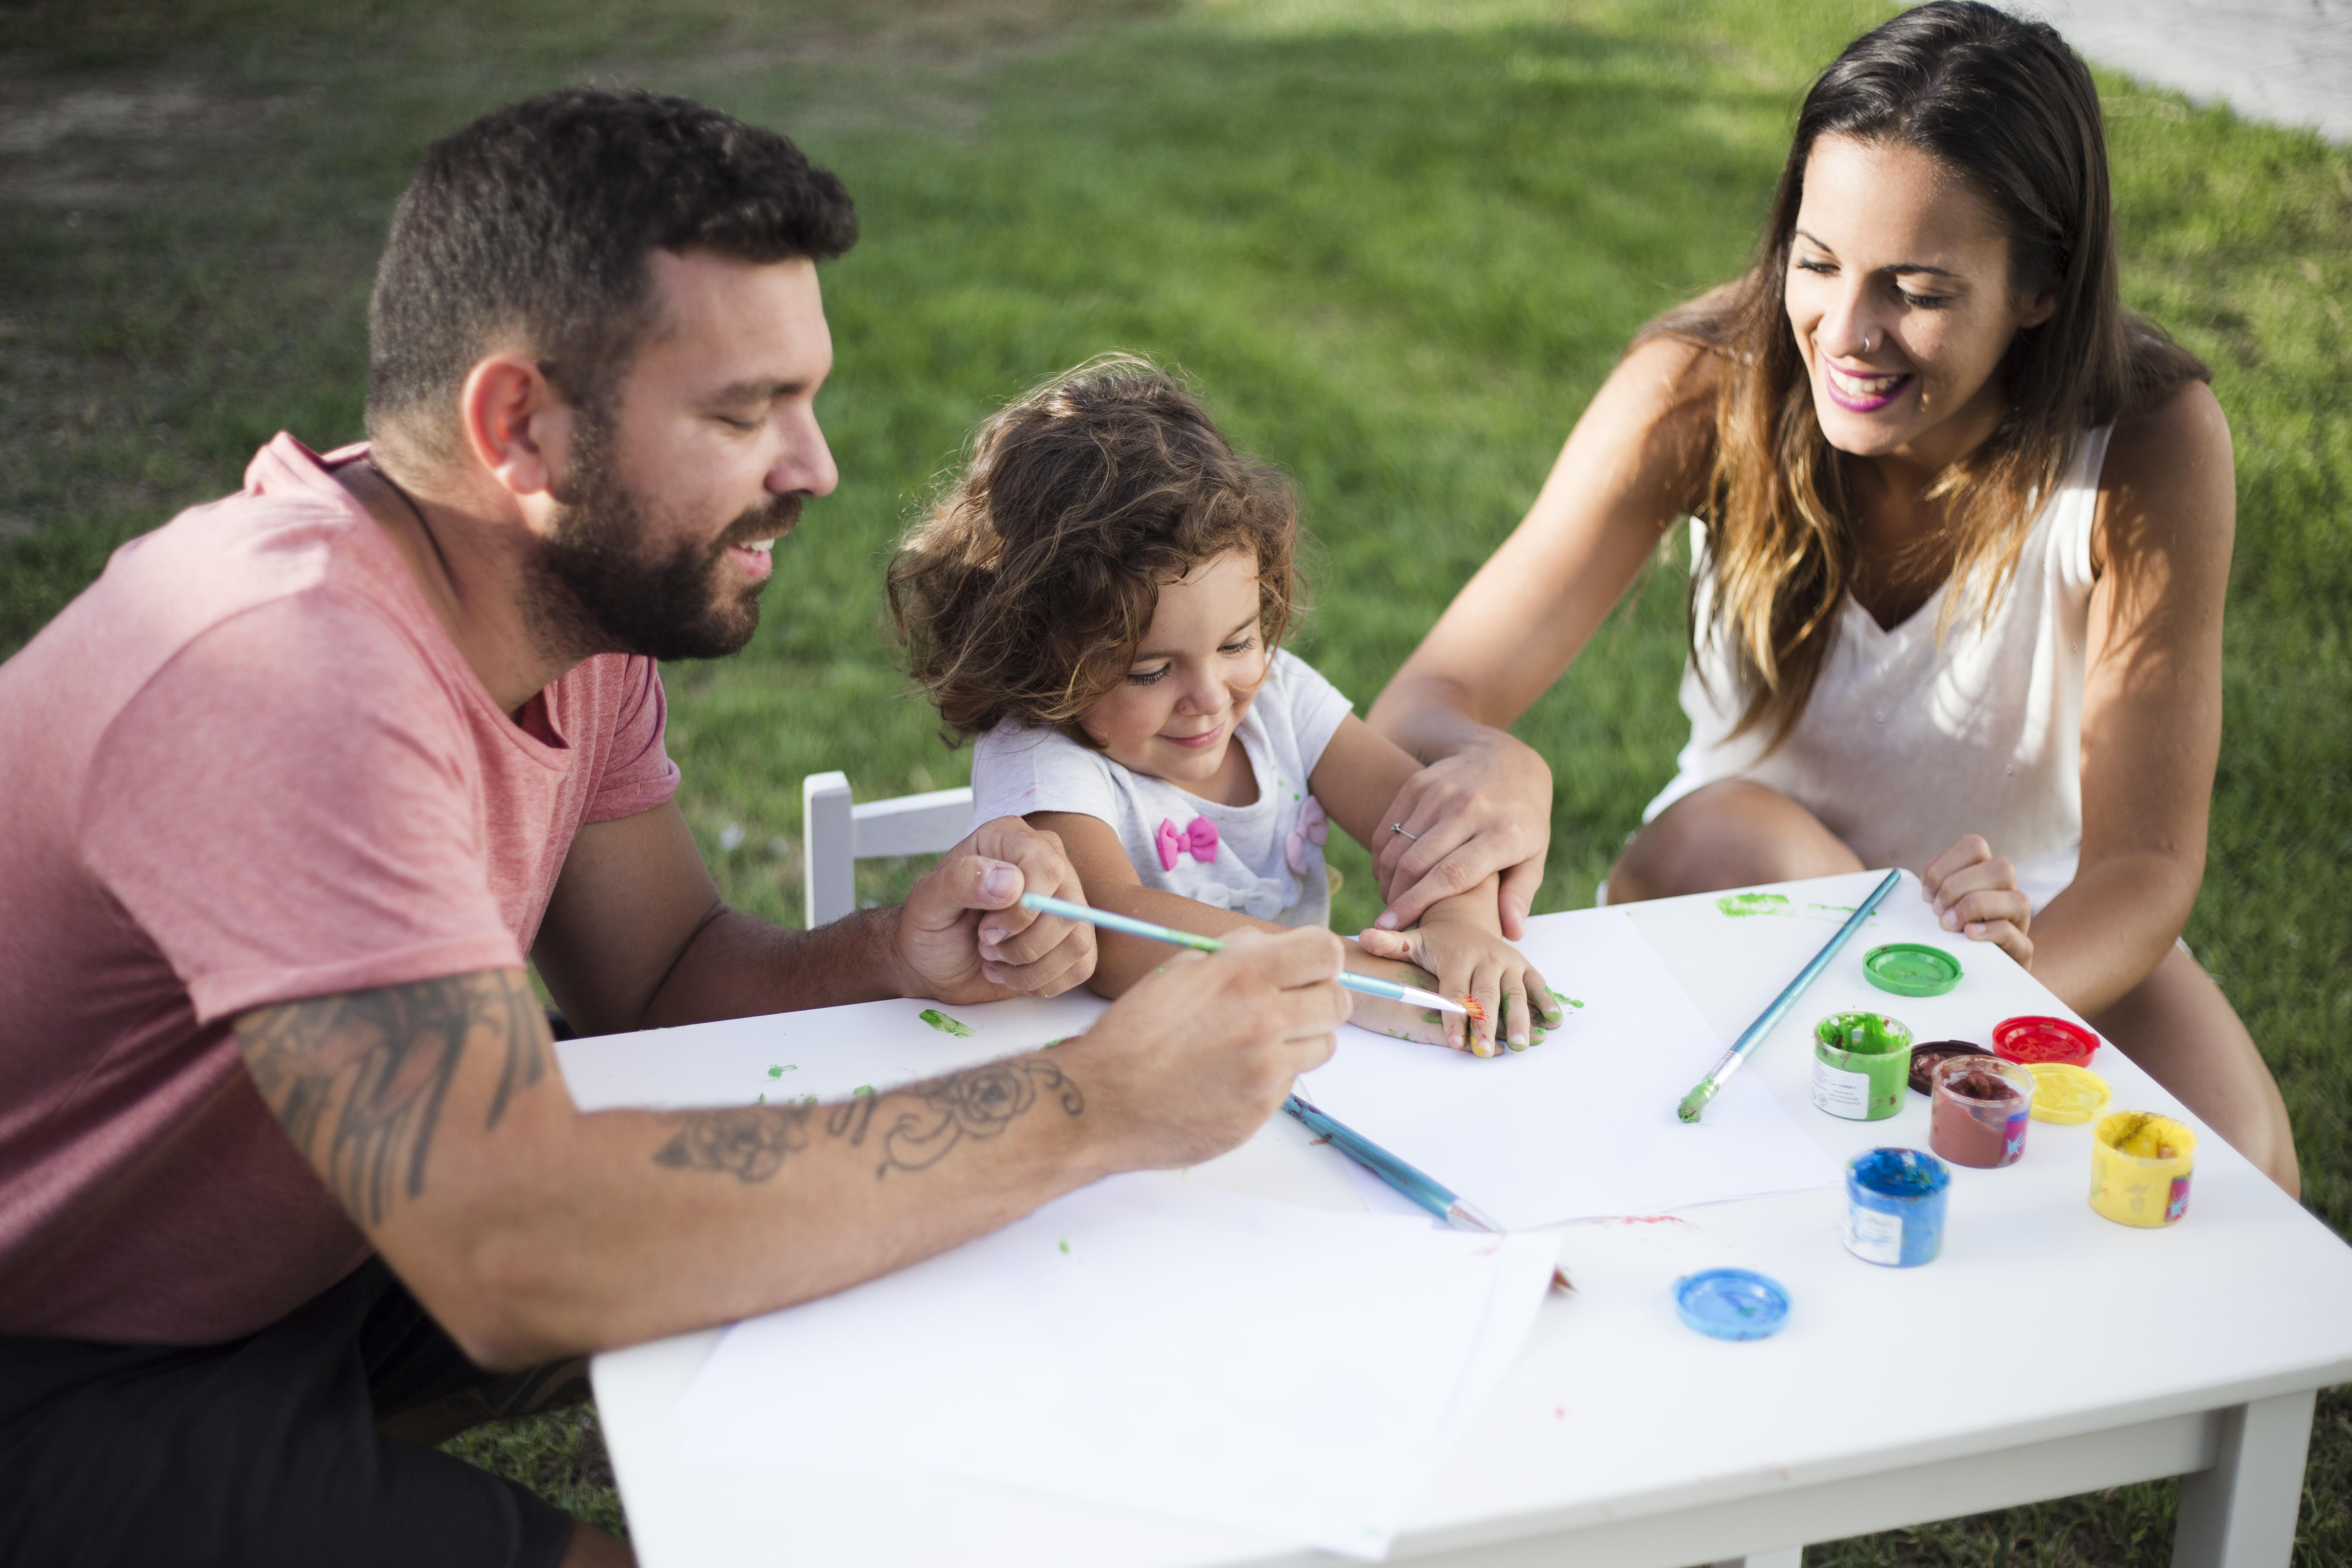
1895, 1206
1731, 1303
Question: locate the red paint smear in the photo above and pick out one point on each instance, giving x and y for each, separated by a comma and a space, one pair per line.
1325, 1139
1477, 1013
1648, 1219
1560, 1411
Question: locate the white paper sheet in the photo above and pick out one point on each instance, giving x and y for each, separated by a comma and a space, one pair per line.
1583, 1125
1153, 1344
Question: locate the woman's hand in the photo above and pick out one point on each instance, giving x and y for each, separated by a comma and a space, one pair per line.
1974, 892
1484, 810
1470, 959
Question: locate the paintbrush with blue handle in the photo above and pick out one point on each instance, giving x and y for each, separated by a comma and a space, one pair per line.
1695, 1101
1363, 983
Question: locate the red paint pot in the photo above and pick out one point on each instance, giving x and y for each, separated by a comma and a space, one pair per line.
2029, 1040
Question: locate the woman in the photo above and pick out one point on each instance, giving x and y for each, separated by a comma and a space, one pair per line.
1962, 536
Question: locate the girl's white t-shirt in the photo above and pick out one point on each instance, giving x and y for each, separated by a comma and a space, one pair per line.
1265, 859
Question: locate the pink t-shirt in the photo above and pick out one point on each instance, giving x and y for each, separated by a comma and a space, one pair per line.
248, 766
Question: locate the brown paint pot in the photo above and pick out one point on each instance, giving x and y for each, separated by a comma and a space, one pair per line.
1926, 1059
1982, 1106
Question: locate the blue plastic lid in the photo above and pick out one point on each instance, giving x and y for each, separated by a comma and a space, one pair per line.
1732, 1304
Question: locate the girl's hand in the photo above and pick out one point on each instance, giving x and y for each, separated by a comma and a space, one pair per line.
1470, 959
1976, 892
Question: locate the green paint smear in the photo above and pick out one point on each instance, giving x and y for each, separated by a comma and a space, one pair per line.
762, 1101
808, 1100
861, 1088
1065, 1244
1049, 1045
943, 1024
779, 1072
1737, 905
1569, 1000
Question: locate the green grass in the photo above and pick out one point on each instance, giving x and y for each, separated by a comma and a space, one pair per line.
1398, 245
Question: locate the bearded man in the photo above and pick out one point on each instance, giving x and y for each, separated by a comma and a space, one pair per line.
289, 1186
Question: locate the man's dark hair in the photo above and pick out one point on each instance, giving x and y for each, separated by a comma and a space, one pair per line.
533, 227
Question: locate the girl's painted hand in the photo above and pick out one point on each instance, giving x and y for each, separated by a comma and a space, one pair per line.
1471, 960
1974, 892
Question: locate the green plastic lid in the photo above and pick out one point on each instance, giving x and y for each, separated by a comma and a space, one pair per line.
1911, 969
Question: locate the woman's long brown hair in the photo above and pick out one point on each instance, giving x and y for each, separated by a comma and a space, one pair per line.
2005, 104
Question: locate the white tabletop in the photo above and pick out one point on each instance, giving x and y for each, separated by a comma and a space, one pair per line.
2047, 1351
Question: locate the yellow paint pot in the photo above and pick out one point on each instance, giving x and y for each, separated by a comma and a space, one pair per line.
2139, 1168
2067, 1095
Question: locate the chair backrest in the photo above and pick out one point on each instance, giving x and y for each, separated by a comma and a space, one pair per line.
835, 834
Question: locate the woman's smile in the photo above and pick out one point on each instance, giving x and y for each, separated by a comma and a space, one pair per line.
1862, 393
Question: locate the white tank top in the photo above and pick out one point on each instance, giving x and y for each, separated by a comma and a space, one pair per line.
1905, 745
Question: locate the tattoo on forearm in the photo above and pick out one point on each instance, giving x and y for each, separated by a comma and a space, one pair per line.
359, 1079
913, 1129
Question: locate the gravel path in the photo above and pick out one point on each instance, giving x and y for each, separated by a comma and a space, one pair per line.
2287, 61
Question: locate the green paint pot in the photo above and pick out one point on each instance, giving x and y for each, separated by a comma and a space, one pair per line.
1862, 1065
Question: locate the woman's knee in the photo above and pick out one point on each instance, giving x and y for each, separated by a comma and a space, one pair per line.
1733, 834
2182, 1031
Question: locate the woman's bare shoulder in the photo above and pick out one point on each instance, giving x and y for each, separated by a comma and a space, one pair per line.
2168, 486
2180, 432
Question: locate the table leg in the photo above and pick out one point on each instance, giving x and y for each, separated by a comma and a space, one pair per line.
1789, 1557
2242, 1513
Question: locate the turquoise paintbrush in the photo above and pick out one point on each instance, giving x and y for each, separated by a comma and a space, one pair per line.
1695, 1101
1363, 983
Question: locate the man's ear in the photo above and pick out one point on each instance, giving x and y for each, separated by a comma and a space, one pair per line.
515, 423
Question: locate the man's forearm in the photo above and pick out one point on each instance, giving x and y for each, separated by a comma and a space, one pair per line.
739, 966
532, 1230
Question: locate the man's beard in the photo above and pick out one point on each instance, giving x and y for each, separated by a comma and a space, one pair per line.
602, 589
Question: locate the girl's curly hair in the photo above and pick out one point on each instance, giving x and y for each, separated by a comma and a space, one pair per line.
1025, 593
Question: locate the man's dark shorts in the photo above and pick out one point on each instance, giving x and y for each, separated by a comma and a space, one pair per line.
259, 1453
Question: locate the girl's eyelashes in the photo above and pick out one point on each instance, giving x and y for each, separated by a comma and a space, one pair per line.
1145, 677
1233, 649
1807, 264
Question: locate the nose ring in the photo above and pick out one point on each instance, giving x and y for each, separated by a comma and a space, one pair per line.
1866, 341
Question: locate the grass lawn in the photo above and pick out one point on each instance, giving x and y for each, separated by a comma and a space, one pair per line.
1398, 245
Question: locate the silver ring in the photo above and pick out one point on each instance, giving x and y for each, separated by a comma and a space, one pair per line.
1398, 828
1866, 343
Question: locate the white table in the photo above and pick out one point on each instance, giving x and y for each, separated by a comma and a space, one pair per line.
1623, 1440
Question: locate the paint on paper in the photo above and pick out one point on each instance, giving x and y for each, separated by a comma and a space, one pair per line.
945, 1025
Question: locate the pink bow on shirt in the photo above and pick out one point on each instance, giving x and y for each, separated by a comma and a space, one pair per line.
1313, 827
1200, 840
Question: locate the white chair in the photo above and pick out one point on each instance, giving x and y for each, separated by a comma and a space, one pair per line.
836, 835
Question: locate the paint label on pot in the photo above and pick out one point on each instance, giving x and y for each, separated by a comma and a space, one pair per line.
2177, 1204
1875, 1235
1839, 1092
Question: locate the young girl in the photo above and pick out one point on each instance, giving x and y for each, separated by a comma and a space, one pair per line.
1101, 601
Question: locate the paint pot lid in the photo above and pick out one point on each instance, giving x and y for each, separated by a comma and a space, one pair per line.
1911, 969
2030, 1039
1732, 1304
2066, 1094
